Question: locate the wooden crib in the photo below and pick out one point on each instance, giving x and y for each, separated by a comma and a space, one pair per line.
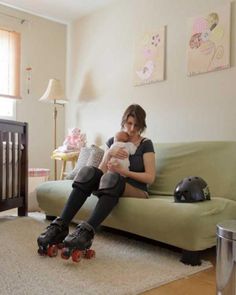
14, 166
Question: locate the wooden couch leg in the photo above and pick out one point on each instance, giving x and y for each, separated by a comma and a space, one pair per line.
191, 257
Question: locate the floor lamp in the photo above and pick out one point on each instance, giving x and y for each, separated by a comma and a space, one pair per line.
54, 94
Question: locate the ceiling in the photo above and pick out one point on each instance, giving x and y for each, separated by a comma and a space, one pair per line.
63, 11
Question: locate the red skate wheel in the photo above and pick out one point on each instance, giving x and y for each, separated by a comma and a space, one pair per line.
89, 254
76, 255
52, 251
65, 254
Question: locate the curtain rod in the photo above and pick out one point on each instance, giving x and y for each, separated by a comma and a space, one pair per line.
22, 20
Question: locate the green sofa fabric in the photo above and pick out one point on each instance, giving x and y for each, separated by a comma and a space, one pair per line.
189, 226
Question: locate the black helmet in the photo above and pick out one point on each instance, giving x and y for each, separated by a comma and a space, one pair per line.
192, 189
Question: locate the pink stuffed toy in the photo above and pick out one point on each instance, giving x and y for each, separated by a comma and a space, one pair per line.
73, 142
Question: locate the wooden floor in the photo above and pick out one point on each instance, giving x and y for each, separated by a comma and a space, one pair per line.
202, 283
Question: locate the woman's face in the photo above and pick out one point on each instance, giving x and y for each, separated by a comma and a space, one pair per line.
131, 126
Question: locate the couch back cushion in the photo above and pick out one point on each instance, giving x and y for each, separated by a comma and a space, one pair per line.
215, 162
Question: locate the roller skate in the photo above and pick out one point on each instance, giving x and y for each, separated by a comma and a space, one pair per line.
78, 243
51, 240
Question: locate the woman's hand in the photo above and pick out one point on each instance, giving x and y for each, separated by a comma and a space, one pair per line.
118, 152
114, 166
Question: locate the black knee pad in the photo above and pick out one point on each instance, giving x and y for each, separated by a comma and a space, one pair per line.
87, 179
111, 184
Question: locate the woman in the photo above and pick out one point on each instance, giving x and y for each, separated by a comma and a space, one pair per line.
108, 186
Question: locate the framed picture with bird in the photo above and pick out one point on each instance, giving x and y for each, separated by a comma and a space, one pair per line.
149, 60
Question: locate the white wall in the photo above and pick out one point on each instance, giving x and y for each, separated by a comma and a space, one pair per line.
43, 47
181, 108
99, 81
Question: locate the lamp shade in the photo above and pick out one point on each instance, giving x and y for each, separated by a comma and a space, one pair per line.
54, 92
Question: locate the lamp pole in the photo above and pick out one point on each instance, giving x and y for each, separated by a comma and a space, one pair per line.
55, 137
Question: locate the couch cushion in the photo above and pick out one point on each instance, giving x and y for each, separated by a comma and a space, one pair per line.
215, 162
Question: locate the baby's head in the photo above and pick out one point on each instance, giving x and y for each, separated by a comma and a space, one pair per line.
121, 136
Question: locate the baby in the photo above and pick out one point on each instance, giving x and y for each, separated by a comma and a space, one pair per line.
121, 139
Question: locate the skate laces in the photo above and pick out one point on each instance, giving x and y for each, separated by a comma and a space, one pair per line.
79, 230
51, 228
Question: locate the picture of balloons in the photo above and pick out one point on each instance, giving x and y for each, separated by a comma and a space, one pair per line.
149, 59
217, 34
220, 52
205, 35
207, 47
145, 40
156, 40
195, 41
148, 53
209, 41
200, 25
213, 20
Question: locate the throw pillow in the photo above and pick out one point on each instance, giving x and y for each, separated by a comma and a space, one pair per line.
95, 156
89, 156
81, 162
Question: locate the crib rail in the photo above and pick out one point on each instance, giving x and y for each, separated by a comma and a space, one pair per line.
14, 166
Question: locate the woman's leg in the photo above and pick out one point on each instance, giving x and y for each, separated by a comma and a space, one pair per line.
106, 204
87, 180
103, 208
75, 202
134, 192
111, 187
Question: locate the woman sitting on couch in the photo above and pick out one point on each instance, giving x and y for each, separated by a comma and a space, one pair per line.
108, 186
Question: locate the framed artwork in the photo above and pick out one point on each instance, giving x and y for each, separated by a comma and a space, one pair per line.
149, 59
209, 41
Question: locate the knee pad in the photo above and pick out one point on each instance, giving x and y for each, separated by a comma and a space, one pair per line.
87, 179
111, 184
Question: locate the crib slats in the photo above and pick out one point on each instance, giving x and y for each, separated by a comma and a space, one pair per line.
19, 168
6, 139
14, 166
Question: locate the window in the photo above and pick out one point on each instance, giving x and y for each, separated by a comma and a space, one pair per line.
7, 108
9, 72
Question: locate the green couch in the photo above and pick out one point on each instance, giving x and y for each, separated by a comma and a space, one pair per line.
189, 226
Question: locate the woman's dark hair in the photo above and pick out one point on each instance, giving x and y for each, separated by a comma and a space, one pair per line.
138, 113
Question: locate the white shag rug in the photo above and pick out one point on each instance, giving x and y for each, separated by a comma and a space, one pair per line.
122, 266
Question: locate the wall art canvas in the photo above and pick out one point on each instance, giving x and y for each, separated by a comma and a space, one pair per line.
149, 59
209, 41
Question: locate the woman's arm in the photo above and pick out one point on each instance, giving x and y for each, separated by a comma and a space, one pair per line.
148, 176
117, 152
105, 159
